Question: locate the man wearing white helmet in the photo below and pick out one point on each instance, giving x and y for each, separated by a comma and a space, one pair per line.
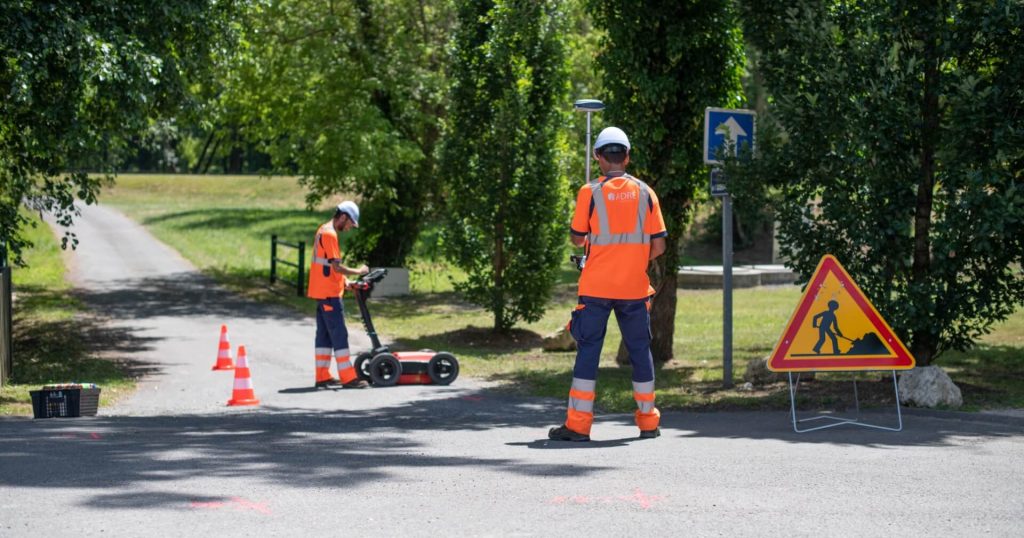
326, 285
618, 218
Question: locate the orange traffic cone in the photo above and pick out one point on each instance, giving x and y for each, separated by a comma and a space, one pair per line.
224, 352
243, 393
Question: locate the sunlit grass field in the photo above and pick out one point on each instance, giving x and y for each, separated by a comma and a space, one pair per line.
224, 224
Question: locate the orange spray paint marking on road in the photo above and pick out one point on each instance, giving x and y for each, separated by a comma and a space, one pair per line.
237, 504
638, 497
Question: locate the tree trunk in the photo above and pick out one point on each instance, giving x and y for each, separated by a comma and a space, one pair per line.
202, 155
213, 153
924, 343
235, 157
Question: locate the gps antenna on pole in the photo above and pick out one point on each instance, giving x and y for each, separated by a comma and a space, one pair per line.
589, 106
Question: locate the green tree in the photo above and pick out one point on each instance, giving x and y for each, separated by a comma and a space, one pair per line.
895, 140
80, 78
664, 62
507, 193
350, 93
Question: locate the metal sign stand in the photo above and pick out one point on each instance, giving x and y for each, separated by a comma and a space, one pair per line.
839, 421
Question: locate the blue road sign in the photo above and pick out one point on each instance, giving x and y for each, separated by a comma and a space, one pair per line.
723, 125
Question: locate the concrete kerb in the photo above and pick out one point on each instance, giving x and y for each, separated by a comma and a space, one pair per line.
743, 276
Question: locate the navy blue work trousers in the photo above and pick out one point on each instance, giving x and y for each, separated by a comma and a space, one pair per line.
590, 323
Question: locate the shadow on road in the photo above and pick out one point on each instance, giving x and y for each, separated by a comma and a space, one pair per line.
340, 449
548, 444
176, 295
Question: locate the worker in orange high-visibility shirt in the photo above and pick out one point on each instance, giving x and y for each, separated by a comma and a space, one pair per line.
619, 219
326, 285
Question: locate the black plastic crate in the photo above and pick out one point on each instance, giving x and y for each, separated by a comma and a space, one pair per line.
65, 402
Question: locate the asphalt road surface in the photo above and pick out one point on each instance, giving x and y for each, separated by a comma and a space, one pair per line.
174, 460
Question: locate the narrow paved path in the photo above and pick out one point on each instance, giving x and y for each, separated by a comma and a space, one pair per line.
172, 315
456, 461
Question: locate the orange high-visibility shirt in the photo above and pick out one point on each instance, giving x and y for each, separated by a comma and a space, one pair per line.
324, 281
617, 257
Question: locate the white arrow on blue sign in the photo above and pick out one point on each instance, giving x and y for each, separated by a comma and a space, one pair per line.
722, 125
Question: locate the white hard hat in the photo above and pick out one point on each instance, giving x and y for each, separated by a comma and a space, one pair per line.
351, 209
611, 135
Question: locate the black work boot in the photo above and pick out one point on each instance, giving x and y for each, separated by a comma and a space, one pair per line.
563, 433
356, 384
650, 434
328, 384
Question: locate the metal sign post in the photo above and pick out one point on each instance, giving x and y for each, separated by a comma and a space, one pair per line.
719, 190
6, 351
727, 291
589, 106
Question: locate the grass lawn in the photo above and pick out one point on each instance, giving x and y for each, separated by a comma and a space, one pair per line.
224, 224
55, 339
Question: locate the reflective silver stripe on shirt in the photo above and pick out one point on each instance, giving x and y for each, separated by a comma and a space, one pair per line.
637, 237
317, 260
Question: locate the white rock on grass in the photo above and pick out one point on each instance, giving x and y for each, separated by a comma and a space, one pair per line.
929, 386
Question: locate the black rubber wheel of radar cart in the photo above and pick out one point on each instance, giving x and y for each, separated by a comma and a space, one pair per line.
385, 369
362, 366
443, 368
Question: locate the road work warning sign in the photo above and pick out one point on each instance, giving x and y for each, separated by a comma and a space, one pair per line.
835, 327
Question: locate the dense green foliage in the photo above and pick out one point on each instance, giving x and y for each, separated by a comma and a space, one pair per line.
77, 79
349, 93
895, 139
506, 213
664, 62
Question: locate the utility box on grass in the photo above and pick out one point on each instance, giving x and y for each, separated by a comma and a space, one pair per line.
66, 400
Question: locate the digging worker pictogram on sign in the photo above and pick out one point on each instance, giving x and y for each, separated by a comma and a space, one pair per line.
835, 327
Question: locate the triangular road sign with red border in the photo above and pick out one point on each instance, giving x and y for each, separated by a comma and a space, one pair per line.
835, 327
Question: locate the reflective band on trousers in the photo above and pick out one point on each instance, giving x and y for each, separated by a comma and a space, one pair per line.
585, 406
585, 385
323, 351
643, 387
323, 363
581, 395
643, 393
344, 365
638, 237
343, 352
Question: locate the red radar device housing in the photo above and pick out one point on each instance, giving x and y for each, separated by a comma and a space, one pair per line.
383, 367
